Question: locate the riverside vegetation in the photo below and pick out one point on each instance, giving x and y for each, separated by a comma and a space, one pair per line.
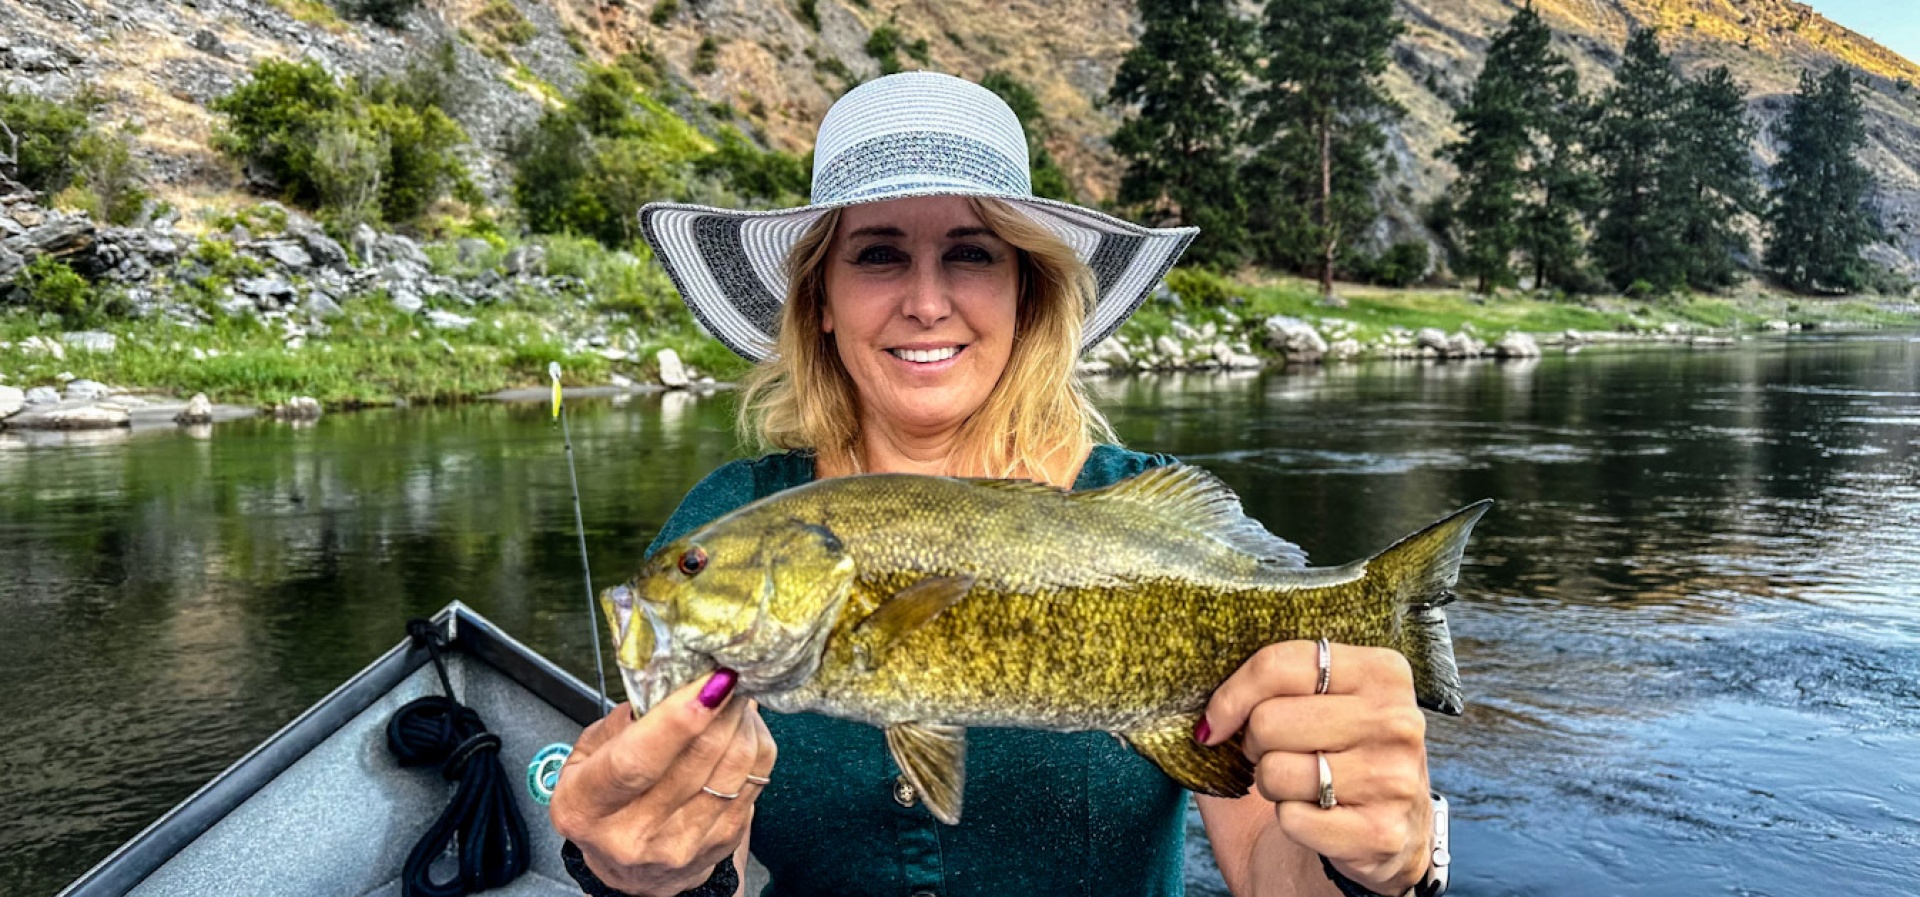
389, 272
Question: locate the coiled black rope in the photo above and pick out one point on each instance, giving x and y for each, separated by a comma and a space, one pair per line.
481, 823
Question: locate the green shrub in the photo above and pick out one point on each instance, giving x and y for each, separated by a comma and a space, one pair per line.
810, 13
1402, 264
107, 181
505, 22
755, 175
587, 167
390, 13
48, 135
277, 122
884, 46
704, 55
1199, 287
662, 12
47, 285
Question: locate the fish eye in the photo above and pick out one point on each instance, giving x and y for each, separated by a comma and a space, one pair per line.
694, 561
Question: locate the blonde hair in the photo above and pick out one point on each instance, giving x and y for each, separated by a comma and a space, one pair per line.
1036, 423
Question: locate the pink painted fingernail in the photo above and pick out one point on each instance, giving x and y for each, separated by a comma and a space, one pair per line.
1203, 731
717, 688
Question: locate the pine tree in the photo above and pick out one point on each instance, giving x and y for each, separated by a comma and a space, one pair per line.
1184, 79
1321, 102
1712, 177
1636, 239
1818, 220
1521, 186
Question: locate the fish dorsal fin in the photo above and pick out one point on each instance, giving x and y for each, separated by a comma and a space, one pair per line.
1191, 496
1222, 770
906, 611
934, 759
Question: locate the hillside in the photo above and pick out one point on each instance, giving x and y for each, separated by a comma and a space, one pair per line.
770, 70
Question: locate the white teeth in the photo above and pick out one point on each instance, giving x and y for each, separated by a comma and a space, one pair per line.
926, 356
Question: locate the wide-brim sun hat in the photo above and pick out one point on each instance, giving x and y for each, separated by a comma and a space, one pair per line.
904, 135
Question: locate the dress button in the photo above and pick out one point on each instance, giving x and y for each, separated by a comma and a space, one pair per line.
925, 894
906, 795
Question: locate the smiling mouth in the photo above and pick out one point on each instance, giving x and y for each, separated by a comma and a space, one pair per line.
926, 356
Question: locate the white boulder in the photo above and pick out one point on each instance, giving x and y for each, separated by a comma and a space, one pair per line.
673, 372
1516, 345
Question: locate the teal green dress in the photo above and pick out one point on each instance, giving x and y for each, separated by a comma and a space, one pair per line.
1047, 813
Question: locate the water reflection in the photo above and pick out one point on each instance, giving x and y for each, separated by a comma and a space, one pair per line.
1689, 638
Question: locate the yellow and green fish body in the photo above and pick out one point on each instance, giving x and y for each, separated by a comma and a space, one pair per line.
925, 605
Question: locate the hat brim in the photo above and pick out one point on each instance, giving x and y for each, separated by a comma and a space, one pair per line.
730, 265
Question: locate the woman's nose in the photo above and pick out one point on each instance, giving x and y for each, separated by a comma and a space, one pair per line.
926, 300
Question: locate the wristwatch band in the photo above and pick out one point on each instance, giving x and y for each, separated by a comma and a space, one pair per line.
722, 883
1432, 884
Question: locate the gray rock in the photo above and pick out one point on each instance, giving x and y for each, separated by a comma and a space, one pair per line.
268, 286
1776, 326
396, 248
365, 243
12, 399
1298, 339
42, 395
320, 248
1346, 349
1432, 338
70, 416
87, 391
298, 408
526, 260
207, 42
1463, 345
290, 255
446, 320
1170, 348
322, 306
673, 373
199, 410
1516, 345
472, 249
91, 341
1113, 352
405, 299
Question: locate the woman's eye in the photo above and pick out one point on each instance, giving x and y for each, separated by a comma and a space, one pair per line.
971, 255
876, 255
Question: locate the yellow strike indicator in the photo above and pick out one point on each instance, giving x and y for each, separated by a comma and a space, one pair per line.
553, 371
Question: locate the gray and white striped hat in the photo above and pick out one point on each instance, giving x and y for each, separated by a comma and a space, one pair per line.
910, 134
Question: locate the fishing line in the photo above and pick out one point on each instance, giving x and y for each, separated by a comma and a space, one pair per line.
580, 528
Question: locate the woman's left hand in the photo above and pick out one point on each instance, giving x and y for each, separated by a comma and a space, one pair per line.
1373, 737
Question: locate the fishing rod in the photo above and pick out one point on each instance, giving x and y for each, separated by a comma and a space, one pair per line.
580, 529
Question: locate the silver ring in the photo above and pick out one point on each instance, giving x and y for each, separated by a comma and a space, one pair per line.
758, 780
1326, 668
1326, 783
720, 794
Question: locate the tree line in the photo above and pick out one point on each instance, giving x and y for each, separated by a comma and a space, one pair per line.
1272, 137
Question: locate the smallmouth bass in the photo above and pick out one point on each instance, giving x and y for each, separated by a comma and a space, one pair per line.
924, 605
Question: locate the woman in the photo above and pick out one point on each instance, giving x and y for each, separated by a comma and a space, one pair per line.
933, 311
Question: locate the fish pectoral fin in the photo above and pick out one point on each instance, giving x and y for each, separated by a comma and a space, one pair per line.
909, 609
1221, 770
934, 759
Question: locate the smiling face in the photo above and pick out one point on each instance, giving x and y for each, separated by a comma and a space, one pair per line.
921, 300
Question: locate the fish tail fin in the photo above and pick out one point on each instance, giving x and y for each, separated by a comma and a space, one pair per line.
1425, 567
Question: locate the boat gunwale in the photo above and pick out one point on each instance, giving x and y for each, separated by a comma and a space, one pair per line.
466, 631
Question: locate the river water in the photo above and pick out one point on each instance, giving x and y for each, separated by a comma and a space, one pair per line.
1689, 631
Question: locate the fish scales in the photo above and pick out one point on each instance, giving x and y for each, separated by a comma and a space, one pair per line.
924, 605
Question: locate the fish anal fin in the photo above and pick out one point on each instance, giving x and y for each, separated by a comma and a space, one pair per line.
934, 759
1221, 770
908, 610
1191, 496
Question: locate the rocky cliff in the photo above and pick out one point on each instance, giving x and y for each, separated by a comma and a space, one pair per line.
775, 65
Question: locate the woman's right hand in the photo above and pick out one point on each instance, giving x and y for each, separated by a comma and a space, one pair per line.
630, 794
